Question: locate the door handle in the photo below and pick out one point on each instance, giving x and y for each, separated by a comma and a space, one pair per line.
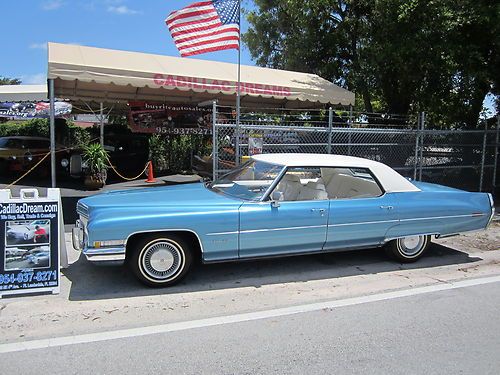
386, 207
320, 210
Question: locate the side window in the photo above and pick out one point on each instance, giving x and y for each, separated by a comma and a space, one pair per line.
302, 184
14, 143
342, 183
37, 144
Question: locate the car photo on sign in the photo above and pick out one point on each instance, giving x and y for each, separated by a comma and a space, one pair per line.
21, 258
27, 232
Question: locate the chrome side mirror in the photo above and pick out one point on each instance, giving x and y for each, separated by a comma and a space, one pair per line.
276, 197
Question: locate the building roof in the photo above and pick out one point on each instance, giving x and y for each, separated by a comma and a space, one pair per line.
23, 93
96, 73
391, 180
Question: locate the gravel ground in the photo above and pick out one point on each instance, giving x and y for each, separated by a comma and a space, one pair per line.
485, 240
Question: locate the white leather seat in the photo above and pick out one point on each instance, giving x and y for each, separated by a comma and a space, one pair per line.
290, 186
312, 191
345, 186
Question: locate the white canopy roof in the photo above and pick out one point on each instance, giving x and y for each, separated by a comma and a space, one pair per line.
23, 93
391, 180
111, 75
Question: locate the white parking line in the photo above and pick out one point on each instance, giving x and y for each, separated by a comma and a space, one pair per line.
209, 322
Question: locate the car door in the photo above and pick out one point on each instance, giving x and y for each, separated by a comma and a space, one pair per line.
360, 212
296, 224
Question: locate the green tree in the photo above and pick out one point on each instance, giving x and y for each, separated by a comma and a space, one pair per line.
9, 81
401, 55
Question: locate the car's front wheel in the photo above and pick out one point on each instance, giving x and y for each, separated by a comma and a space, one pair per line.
408, 249
160, 260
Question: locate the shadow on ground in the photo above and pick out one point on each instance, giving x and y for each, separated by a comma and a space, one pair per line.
90, 282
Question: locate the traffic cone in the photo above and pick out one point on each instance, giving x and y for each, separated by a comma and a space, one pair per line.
151, 178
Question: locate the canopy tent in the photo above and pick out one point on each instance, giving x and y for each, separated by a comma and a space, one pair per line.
96, 74
23, 93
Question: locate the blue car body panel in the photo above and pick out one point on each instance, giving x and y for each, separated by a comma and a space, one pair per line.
360, 222
293, 227
191, 207
230, 228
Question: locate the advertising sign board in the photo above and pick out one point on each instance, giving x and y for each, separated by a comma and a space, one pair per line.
255, 144
146, 117
29, 110
30, 242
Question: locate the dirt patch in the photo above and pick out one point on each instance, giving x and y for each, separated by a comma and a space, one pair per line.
488, 240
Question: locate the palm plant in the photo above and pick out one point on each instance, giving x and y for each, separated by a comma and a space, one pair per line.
96, 158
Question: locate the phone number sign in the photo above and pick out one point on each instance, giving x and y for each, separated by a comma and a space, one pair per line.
29, 245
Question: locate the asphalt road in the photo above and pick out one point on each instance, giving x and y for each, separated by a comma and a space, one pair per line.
442, 332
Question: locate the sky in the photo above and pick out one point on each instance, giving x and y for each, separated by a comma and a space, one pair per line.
27, 25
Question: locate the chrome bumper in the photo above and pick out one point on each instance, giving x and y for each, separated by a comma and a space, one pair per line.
112, 255
105, 254
492, 204
78, 235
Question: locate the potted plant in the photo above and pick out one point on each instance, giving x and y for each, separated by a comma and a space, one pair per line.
95, 159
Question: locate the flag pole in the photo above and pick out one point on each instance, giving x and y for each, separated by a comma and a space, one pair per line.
238, 92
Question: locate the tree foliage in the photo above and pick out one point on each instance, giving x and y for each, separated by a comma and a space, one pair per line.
401, 56
9, 81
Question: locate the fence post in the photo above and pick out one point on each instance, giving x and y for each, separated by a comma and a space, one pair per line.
421, 157
330, 125
417, 139
215, 146
349, 133
483, 155
496, 154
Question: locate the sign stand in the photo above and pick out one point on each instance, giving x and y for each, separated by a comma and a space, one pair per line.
32, 243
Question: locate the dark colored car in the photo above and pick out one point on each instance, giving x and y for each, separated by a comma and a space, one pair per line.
20, 153
128, 154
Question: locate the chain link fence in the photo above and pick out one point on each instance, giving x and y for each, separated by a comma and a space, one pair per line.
465, 159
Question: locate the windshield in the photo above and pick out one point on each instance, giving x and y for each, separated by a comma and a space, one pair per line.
249, 181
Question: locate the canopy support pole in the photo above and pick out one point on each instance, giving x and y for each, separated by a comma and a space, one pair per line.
101, 123
238, 91
52, 116
215, 145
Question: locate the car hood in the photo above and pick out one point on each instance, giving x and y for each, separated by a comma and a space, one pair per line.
195, 194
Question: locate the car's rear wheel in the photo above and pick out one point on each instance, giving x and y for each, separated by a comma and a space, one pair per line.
408, 249
160, 260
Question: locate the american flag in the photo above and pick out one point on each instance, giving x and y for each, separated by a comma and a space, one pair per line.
205, 27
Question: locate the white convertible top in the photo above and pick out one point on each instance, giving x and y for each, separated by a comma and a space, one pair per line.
391, 181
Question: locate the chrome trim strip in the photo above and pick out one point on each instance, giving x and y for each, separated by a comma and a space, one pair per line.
443, 217
267, 230
221, 233
403, 220
363, 223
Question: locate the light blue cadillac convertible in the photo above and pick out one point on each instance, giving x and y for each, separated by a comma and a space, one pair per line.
273, 205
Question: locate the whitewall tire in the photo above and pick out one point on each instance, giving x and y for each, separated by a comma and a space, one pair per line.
408, 249
160, 260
